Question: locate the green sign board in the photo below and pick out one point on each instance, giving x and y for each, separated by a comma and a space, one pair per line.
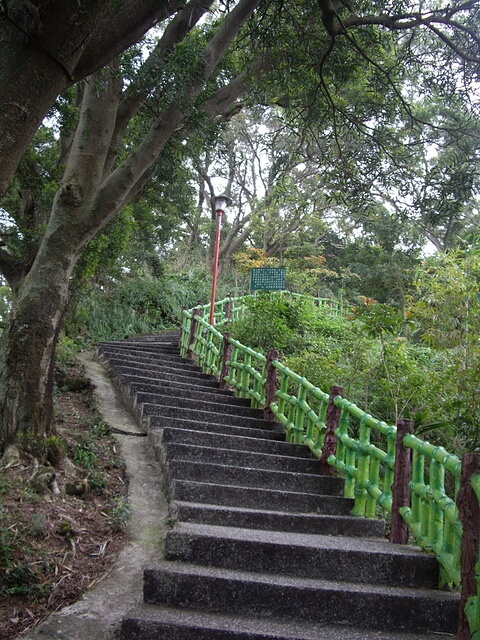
267, 279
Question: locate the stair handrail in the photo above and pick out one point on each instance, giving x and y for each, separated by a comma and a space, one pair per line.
365, 453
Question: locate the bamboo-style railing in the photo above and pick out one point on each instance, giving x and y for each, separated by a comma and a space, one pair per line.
375, 458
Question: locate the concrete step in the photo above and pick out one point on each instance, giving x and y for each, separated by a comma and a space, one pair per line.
285, 597
155, 384
351, 559
141, 347
157, 423
160, 373
226, 441
150, 622
255, 498
179, 391
184, 369
330, 525
251, 459
149, 354
146, 410
197, 404
169, 334
238, 476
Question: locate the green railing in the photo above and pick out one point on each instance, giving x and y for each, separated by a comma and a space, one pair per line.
335, 308
433, 516
365, 462
246, 373
367, 451
303, 413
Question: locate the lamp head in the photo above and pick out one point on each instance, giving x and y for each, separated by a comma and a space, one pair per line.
219, 204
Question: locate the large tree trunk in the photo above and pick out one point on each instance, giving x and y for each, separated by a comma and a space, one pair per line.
27, 349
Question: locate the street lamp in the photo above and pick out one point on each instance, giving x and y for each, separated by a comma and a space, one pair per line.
219, 204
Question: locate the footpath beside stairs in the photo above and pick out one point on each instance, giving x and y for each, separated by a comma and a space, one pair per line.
262, 545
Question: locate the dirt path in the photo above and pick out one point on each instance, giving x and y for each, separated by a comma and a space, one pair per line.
98, 614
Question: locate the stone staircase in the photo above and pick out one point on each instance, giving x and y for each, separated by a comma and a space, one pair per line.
262, 545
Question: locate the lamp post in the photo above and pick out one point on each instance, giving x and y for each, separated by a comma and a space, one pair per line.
219, 204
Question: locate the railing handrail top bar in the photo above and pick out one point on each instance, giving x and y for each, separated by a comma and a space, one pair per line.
300, 379
251, 352
369, 420
450, 461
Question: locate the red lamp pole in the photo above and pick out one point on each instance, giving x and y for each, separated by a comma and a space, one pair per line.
215, 266
219, 204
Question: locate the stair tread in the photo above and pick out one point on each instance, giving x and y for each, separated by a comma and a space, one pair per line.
299, 449
241, 475
310, 463
376, 546
272, 492
133, 379
258, 628
199, 404
234, 576
214, 430
287, 514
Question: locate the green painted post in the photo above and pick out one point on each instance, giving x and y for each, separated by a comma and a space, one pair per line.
299, 413
283, 389
389, 465
400, 488
374, 485
363, 466
193, 328
345, 454
437, 482
245, 377
469, 512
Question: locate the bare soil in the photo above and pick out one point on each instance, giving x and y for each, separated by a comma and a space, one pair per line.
55, 546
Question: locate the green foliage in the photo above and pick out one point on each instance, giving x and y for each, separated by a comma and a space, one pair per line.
381, 370
22, 580
118, 514
274, 322
446, 309
136, 304
85, 454
92, 452
376, 319
19, 577
66, 350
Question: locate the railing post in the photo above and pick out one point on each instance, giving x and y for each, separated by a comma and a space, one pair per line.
191, 337
330, 442
226, 356
469, 513
270, 385
400, 487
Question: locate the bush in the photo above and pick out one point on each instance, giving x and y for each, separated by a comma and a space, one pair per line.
289, 325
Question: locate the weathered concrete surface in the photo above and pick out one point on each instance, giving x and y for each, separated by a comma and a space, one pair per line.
97, 616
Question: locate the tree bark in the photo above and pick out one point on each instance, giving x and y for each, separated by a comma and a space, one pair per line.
27, 349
